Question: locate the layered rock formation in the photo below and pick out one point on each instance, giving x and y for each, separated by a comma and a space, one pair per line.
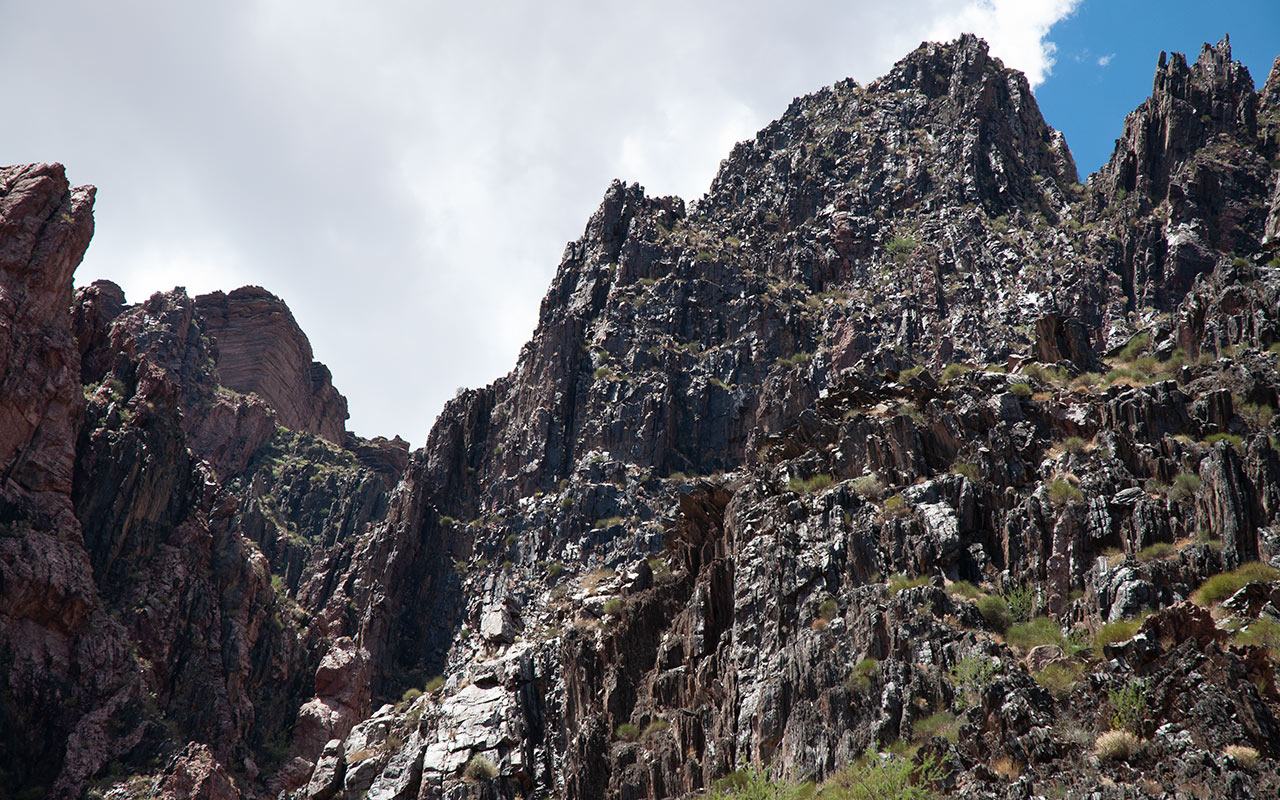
886, 444
260, 349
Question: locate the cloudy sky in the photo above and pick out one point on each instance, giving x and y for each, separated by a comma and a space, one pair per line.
405, 173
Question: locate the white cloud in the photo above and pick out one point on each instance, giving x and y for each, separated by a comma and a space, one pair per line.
1015, 29
1106, 60
405, 174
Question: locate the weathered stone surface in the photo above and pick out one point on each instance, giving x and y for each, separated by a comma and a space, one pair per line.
330, 772
1059, 339
1042, 656
342, 698
195, 774
1227, 502
500, 624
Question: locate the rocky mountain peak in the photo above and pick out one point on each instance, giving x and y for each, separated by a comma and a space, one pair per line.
260, 349
1189, 106
943, 68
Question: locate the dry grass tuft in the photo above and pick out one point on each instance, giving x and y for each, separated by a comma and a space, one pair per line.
1245, 756
1116, 746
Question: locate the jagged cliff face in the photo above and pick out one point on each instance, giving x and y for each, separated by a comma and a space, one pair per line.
1189, 178
878, 340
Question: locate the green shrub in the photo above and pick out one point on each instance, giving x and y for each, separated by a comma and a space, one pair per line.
966, 469
1041, 630
659, 568
943, 723
613, 606
566, 504
1044, 374
410, 695
1156, 552
899, 581
1129, 705
1225, 584
1185, 485
1021, 389
554, 569
1229, 438
1022, 601
868, 486
954, 370
1256, 413
758, 783
607, 522
1064, 493
1145, 366
859, 677
1077, 641
1111, 632
603, 373
1135, 347
434, 685
1117, 375
996, 612
480, 768
627, 732
882, 777
901, 248
965, 589
1059, 676
895, 505
909, 373
814, 483
1073, 444
828, 609
654, 728
971, 676
1262, 632
795, 359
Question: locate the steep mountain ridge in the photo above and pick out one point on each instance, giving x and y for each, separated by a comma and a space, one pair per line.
878, 339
